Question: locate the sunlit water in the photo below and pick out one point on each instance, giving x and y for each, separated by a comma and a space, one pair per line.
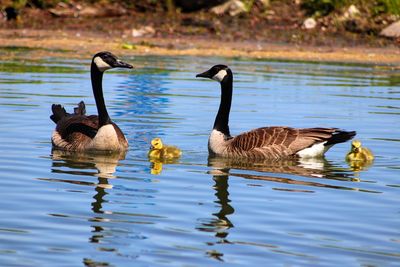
85, 210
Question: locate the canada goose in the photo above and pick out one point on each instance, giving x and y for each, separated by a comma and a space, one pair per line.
358, 153
78, 132
267, 142
160, 151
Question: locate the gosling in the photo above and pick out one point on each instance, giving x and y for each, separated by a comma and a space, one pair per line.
358, 153
160, 151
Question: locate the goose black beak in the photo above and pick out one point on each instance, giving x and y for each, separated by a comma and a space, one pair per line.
121, 64
205, 74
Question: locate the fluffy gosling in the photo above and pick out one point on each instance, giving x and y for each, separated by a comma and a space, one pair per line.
160, 151
358, 153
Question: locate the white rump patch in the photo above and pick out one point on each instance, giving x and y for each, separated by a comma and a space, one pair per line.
105, 139
317, 150
101, 64
220, 75
216, 142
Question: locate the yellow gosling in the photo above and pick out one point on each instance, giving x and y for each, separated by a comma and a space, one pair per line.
160, 151
358, 153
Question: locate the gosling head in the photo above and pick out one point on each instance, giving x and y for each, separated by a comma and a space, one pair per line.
217, 73
355, 146
106, 60
156, 143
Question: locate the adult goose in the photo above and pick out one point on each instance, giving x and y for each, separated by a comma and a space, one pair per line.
78, 132
267, 142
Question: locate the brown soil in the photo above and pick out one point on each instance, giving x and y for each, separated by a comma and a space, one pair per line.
199, 34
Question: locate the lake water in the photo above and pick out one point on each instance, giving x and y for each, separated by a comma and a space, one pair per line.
84, 210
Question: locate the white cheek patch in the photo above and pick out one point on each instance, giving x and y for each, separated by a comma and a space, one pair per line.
220, 75
101, 64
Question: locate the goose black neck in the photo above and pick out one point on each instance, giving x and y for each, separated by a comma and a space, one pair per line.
222, 119
97, 80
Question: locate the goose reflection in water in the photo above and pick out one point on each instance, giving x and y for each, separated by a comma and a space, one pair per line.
104, 163
316, 168
223, 168
219, 223
79, 164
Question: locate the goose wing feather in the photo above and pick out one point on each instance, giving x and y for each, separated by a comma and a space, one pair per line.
277, 142
86, 125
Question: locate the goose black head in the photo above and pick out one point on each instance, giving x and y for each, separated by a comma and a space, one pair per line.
106, 60
217, 73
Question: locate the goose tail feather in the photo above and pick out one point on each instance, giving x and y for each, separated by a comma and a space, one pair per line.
58, 113
80, 109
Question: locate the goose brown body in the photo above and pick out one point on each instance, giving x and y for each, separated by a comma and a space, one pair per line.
276, 142
79, 132
266, 142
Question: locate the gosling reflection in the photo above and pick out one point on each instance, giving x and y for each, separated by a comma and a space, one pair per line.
357, 166
156, 165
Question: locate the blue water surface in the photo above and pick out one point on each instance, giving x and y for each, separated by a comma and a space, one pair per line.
91, 210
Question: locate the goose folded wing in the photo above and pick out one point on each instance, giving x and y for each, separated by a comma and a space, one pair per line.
78, 126
279, 141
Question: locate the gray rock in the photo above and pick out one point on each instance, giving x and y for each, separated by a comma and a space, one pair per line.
391, 31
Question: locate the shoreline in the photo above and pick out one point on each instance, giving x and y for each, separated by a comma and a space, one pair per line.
79, 44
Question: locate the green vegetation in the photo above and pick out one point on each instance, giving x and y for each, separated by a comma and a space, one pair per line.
22, 67
390, 6
375, 7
